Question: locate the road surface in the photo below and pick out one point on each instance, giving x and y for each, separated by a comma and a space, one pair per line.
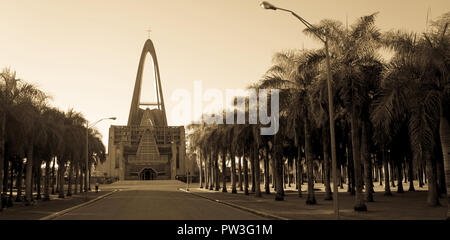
155, 200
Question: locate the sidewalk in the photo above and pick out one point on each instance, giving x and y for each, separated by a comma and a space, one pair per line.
42, 209
400, 206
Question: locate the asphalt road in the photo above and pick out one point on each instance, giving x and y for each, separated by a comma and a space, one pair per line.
155, 200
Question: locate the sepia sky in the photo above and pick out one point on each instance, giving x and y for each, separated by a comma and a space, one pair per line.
85, 53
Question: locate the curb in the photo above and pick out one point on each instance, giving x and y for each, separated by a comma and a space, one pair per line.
256, 212
62, 212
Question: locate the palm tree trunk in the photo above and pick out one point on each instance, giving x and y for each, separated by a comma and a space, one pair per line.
432, 198
288, 173
57, 179
391, 168
81, 178
216, 171
61, 171
245, 175
19, 182
257, 172
207, 172
367, 164
11, 179
224, 171
4, 182
440, 175
200, 170
205, 168
233, 172
273, 166
53, 177
273, 170
326, 164
387, 188
278, 168
405, 174
375, 172
283, 172
240, 174
266, 172
299, 169
38, 180
400, 178
75, 184
2, 152
211, 171
252, 165
69, 182
411, 176
444, 133
89, 177
359, 198
294, 173
380, 171
350, 170
311, 199
47, 182
29, 176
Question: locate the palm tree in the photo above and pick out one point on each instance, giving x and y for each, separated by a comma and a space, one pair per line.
354, 52
293, 73
416, 85
28, 104
8, 83
378, 105
73, 132
97, 152
54, 124
17, 100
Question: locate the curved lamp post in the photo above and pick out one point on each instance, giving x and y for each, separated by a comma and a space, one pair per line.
87, 151
269, 6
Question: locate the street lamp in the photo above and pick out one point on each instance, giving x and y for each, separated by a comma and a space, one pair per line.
87, 151
269, 6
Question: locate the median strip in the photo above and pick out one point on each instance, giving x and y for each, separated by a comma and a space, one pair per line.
256, 212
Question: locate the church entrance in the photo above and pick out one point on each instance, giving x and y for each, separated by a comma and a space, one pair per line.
148, 174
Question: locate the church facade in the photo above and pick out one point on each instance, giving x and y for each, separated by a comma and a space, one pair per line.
147, 152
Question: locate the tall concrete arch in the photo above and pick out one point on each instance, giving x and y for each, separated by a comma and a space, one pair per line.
134, 118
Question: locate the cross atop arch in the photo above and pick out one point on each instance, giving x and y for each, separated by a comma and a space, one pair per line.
148, 32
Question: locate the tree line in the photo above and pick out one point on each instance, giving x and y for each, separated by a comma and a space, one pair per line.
41, 145
391, 117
